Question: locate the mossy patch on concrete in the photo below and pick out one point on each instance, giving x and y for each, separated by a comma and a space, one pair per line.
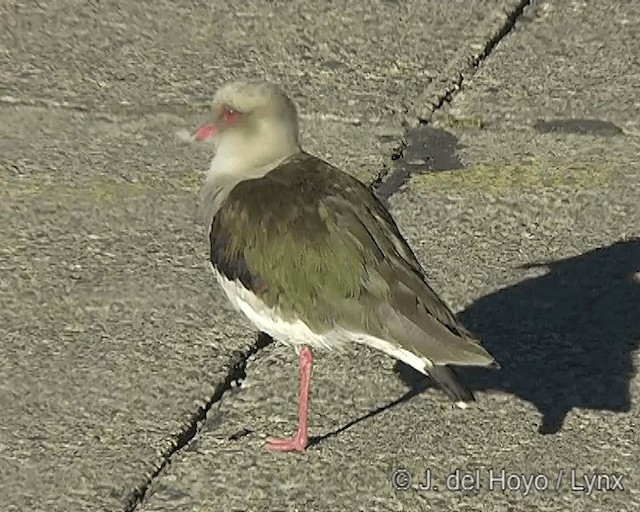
102, 187
517, 177
460, 123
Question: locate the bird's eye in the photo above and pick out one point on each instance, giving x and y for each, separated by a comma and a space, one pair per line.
229, 114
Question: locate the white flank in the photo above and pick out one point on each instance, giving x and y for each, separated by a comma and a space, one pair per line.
421, 364
298, 333
267, 319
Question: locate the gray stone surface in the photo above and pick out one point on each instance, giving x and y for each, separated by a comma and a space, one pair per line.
354, 61
567, 333
113, 337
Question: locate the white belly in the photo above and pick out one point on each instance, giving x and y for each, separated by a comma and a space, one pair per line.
298, 333
268, 320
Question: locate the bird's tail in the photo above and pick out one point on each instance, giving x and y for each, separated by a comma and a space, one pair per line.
450, 383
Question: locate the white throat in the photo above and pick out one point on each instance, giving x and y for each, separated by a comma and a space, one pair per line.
252, 158
230, 165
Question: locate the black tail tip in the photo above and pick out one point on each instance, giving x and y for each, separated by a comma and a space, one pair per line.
495, 365
451, 384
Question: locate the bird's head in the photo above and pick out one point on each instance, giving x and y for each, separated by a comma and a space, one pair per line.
252, 125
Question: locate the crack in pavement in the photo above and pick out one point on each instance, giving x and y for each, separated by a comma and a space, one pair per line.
184, 438
501, 33
387, 183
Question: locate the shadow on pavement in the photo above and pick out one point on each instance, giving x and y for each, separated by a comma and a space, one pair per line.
565, 339
416, 389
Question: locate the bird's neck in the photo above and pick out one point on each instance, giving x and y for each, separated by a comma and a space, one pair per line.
231, 166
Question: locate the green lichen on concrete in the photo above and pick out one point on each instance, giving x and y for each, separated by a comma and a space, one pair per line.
461, 123
528, 176
104, 188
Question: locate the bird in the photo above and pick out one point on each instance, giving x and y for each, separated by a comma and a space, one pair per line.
310, 256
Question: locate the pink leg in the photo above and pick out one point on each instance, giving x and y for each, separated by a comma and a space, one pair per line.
299, 441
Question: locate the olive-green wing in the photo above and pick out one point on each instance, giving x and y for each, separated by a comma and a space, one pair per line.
414, 315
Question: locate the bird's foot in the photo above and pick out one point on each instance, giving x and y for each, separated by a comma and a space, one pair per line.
291, 444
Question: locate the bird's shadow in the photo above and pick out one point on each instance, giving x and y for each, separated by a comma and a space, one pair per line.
564, 340
415, 389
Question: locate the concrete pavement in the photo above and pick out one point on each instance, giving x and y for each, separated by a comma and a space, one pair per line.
119, 355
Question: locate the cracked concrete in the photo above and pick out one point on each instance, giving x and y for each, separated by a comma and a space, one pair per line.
236, 374
387, 183
119, 351
509, 23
